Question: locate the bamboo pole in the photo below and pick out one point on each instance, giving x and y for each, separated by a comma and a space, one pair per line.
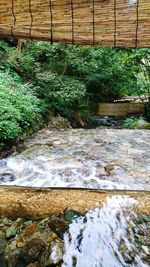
38, 203
87, 22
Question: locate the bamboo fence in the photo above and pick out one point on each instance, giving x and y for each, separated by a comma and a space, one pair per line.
121, 23
120, 109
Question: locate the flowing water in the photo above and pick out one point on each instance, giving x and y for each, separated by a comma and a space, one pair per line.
97, 158
101, 238
104, 159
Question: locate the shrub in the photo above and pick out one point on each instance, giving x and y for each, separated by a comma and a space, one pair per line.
130, 123
61, 94
19, 107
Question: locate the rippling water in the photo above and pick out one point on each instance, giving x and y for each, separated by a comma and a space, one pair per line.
101, 159
104, 159
101, 239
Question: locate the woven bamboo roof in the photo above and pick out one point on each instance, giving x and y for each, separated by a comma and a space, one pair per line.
122, 23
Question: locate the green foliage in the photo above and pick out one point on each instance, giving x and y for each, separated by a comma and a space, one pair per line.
136, 123
19, 107
105, 72
138, 61
130, 123
61, 77
60, 93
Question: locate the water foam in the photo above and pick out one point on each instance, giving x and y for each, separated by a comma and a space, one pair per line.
95, 239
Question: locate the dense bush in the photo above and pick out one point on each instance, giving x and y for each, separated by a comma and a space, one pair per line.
19, 107
130, 123
104, 71
61, 78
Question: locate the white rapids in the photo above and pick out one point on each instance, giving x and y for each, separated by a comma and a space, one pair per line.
97, 158
95, 240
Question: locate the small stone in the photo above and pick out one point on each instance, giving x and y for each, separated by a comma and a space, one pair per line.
30, 230
2, 234
7, 222
19, 220
146, 250
10, 232
108, 168
20, 242
27, 223
12, 246
17, 251
52, 237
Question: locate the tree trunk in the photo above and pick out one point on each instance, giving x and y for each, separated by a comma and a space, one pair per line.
37, 203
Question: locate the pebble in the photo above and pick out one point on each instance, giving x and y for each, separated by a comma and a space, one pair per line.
146, 250
10, 232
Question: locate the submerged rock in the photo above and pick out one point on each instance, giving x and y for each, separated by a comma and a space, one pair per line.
71, 215
7, 177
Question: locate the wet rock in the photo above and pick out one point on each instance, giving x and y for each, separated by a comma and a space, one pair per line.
57, 251
30, 230
7, 222
70, 215
128, 258
12, 246
20, 242
59, 123
6, 177
27, 223
52, 237
59, 226
33, 250
141, 123
11, 232
146, 250
109, 167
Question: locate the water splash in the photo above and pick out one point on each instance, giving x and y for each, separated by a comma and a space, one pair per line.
95, 240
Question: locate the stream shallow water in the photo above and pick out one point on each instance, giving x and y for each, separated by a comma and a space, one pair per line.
111, 236
104, 159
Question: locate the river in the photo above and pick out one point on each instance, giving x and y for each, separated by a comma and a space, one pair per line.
111, 236
97, 158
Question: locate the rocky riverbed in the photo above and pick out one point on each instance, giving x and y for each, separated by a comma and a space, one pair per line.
97, 158
114, 235
111, 236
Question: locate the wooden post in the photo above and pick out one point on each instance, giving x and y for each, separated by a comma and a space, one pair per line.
38, 203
